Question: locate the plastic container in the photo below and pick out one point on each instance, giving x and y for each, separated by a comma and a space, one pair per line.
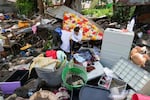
9, 87
140, 97
109, 82
93, 93
75, 94
52, 78
18, 75
17, 79
76, 70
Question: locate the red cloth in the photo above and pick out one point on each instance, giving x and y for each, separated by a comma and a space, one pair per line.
51, 53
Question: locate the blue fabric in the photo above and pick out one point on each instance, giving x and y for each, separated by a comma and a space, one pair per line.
58, 30
7, 16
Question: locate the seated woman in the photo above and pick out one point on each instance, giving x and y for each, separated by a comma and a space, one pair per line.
71, 41
76, 39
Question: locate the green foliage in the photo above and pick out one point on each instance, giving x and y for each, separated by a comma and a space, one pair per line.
25, 7
94, 3
123, 13
98, 12
48, 45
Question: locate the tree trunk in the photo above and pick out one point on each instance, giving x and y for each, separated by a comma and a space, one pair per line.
68, 3
74, 4
94, 3
40, 6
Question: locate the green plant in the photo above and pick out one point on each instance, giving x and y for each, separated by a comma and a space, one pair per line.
25, 7
98, 12
48, 45
123, 13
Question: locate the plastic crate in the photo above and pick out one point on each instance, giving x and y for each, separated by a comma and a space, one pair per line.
17, 79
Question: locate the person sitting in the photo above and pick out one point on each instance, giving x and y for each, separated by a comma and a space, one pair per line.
71, 41
76, 40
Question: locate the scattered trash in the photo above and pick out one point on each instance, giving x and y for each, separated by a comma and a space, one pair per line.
36, 63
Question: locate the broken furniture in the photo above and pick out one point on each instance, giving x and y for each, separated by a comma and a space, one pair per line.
115, 44
136, 77
8, 41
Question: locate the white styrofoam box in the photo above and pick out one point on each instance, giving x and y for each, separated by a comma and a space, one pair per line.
115, 44
99, 70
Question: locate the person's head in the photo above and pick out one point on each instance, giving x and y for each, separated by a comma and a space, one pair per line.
76, 30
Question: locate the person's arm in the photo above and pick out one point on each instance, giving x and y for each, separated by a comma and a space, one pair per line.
74, 38
80, 36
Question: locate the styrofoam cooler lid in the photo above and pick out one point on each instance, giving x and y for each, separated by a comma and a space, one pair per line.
93, 93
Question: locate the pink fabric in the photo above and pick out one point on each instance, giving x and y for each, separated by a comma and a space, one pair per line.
148, 31
51, 53
34, 29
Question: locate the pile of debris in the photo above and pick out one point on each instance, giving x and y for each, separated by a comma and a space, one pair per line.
109, 66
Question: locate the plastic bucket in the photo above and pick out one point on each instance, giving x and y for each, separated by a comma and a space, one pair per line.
75, 70
52, 78
140, 97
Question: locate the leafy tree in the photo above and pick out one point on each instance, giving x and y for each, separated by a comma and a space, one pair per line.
25, 7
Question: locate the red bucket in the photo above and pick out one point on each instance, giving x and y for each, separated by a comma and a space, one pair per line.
140, 97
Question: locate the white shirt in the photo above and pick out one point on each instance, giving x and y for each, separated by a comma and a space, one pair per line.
65, 37
75, 37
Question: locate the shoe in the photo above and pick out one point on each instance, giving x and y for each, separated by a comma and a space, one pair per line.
26, 47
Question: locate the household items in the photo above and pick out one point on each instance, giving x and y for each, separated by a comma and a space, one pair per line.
43, 95
116, 94
61, 55
2, 17
75, 94
96, 53
115, 44
136, 77
44, 62
15, 80
109, 82
90, 68
95, 70
9, 87
52, 78
26, 46
74, 76
62, 94
139, 56
23, 24
137, 96
83, 55
88, 92
51, 53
